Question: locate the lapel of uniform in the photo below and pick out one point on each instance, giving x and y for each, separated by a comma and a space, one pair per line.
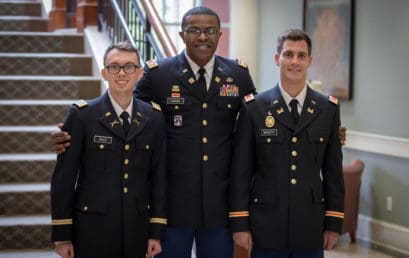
279, 109
310, 110
109, 118
216, 82
186, 76
138, 121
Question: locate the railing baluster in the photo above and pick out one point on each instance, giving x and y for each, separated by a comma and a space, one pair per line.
128, 20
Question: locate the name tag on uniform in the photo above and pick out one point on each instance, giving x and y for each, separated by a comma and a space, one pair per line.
103, 139
175, 101
268, 132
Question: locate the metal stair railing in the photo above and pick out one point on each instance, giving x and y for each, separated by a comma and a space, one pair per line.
137, 22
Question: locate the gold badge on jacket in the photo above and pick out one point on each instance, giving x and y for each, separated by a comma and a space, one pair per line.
269, 121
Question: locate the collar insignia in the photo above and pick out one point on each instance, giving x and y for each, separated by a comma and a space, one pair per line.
113, 123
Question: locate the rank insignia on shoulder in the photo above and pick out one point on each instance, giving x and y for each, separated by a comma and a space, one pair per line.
241, 63
156, 106
333, 100
248, 97
152, 64
81, 103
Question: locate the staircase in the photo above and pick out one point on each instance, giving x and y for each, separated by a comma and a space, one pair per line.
41, 74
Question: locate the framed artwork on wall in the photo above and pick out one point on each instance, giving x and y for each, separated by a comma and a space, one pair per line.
329, 23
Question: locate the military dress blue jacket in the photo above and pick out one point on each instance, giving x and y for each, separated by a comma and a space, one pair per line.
287, 183
199, 135
108, 190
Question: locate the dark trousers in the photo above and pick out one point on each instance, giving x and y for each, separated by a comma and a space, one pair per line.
216, 243
268, 253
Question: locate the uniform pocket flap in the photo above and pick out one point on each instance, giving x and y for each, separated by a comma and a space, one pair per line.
228, 103
88, 205
145, 142
142, 205
269, 136
318, 135
264, 195
101, 142
317, 194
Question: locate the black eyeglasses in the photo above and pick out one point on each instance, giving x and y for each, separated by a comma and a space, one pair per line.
196, 31
116, 68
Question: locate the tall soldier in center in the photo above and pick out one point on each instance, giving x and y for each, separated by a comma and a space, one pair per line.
200, 129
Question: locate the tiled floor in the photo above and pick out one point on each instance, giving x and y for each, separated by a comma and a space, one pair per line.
343, 249
29, 254
350, 251
354, 251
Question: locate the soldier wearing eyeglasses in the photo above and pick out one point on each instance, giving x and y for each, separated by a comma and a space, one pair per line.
108, 190
200, 94
200, 129
200, 126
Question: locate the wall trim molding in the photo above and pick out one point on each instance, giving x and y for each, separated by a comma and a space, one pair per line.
384, 234
380, 144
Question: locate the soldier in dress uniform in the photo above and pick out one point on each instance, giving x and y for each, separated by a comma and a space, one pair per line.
200, 126
287, 190
200, 94
200, 114
108, 190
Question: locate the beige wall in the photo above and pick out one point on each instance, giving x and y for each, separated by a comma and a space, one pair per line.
244, 33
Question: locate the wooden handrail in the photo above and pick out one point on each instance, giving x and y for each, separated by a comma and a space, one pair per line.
157, 24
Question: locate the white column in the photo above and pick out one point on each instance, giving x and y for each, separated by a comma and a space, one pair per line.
244, 33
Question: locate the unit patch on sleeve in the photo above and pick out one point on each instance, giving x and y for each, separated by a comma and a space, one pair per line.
333, 100
248, 97
152, 63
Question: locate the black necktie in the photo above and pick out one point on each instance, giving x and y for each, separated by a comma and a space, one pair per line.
294, 110
125, 123
202, 81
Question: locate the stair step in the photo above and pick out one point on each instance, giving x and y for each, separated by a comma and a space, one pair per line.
37, 42
24, 188
49, 87
45, 64
16, 8
25, 232
42, 73
44, 219
32, 139
25, 168
29, 254
24, 199
26, 112
17, 157
23, 23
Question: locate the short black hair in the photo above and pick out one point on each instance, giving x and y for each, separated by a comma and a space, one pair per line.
199, 10
122, 45
294, 35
